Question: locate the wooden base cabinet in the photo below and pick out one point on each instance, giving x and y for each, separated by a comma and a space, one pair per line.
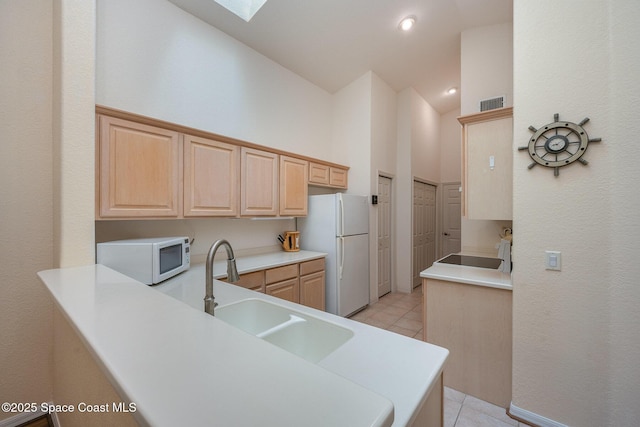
301, 283
474, 324
253, 281
283, 282
312, 284
432, 412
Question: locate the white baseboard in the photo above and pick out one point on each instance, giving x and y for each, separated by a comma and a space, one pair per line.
532, 417
21, 418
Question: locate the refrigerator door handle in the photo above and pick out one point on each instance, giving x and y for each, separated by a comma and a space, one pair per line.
341, 213
341, 256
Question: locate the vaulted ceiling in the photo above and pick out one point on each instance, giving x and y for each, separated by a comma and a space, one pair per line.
333, 42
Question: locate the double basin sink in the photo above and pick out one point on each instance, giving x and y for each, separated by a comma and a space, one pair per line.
306, 336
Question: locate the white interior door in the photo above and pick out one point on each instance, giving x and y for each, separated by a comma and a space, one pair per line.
384, 235
451, 219
424, 228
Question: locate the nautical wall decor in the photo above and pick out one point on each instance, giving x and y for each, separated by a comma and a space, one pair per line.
558, 144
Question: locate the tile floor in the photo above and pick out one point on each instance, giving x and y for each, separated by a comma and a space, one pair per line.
402, 313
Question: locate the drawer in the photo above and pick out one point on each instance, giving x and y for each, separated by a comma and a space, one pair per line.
312, 266
279, 274
253, 281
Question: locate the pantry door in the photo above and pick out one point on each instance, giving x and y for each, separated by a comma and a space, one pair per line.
424, 228
384, 235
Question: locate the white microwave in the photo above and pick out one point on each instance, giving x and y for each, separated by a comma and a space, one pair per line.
149, 261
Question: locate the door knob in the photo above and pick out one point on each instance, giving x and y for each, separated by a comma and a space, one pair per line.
446, 234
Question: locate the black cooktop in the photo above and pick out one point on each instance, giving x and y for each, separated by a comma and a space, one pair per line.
472, 261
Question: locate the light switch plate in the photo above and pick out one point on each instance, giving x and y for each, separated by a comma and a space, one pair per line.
553, 260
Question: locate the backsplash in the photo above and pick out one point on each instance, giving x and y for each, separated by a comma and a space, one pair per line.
245, 235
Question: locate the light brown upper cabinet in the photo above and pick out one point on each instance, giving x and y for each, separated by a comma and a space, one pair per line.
259, 183
487, 164
327, 176
293, 186
147, 168
211, 177
140, 170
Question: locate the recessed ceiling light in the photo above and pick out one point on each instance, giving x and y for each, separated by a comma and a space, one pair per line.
407, 23
245, 9
452, 90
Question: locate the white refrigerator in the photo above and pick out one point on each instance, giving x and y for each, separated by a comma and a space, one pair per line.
338, 224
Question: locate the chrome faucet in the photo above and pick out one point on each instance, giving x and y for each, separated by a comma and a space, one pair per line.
232, 273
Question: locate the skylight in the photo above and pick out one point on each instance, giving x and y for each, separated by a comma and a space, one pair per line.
245, 9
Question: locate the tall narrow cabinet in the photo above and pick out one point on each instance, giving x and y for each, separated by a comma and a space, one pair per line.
487, 164
293, 186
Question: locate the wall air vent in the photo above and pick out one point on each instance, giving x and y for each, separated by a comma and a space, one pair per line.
493, 103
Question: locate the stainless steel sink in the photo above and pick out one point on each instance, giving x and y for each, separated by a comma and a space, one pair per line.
306, 336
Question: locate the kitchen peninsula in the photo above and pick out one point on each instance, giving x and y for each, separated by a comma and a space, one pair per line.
182, 366
468, 310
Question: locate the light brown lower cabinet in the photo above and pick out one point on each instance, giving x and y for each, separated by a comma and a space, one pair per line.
253, 281
301, 283
287, 289
432, 412
474, 324
312, 278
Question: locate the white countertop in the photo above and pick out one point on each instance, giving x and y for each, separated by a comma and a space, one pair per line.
470, 275
250, 263
184, 367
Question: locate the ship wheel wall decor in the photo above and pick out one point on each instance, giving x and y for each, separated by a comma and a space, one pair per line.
558, 144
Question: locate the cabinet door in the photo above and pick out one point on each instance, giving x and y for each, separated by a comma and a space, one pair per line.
338, 177
293, 186
211, 177
318, 174
139, 170
312, 290
259, 183
487, 165
288, 290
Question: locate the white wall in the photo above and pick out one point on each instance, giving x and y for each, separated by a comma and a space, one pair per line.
486, 72
26, 171
246, 235
351, 126
425, 141
418, 157
155, 59
576, 340
384, 111
450, 147
486, 65
74, 132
